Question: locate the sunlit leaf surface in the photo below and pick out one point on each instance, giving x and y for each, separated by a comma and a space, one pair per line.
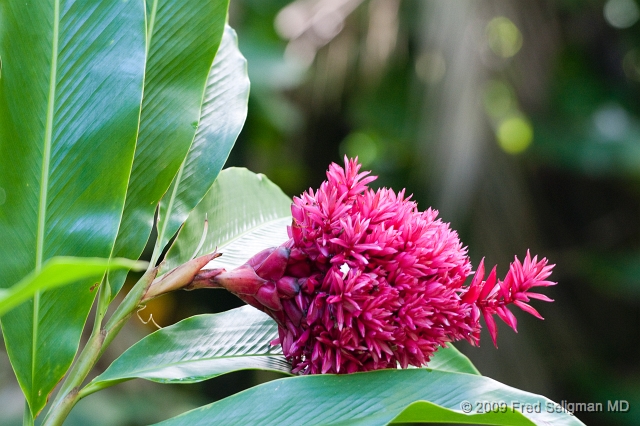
70, 95
223, 113
246, 213
183, 41
378, 398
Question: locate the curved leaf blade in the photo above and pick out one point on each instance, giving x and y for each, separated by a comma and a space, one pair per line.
238, 250
451, 359
70, 97
206, 346
246, 213
373, 398
59, 271
199, 348
223, 114
182, 43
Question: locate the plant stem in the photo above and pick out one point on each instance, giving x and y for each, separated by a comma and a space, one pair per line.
103, 304
27, 418
95, 347
144, 290
67, 396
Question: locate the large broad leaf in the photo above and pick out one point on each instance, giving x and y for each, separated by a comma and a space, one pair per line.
378, 398
70, 95
223, 113
59, 271
199, 348
246, 213
183, 40
205, 346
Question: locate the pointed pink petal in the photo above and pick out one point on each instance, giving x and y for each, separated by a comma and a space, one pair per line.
479, 275
539, 296
507, 316
488, 285
491, 327
528, 309
506, 286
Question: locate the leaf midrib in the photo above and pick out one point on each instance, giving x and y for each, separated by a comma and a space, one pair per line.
44, 180
152, 21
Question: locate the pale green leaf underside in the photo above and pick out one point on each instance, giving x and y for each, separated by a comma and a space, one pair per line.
59, 271
373, 398
223, 113
450, 359
199, 348
240, 205
240, 249
205, 346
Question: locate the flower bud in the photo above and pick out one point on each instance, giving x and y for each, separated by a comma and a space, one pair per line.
288, 287
177, 278
292, 311
272, 268
299, 269
268, 296
257, 259
242, 280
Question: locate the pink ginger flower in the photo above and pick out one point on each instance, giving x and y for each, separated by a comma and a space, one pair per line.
366, 281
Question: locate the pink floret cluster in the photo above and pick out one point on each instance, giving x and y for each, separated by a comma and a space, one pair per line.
367, 281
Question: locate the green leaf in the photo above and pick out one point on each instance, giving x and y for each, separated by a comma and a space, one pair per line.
70, 95
182, 43
223, 113
59, 271
199, 348
376, 398
451, 359
246, 213
205, 346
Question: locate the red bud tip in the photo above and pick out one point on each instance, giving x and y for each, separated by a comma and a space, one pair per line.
268, 296
288, 287
259, 257
272, 268
292, 311
242, 280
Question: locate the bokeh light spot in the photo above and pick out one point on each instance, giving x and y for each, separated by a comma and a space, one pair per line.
498, 99
612, 121
621, 13
361, 145
514, 134
504, 38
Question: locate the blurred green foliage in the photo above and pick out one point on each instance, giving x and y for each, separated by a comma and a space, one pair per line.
549, 92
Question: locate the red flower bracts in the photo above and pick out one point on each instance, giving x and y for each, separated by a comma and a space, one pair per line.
366, 281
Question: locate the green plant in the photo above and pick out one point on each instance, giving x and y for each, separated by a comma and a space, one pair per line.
116, 117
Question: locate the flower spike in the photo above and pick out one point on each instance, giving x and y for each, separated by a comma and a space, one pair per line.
367, 281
